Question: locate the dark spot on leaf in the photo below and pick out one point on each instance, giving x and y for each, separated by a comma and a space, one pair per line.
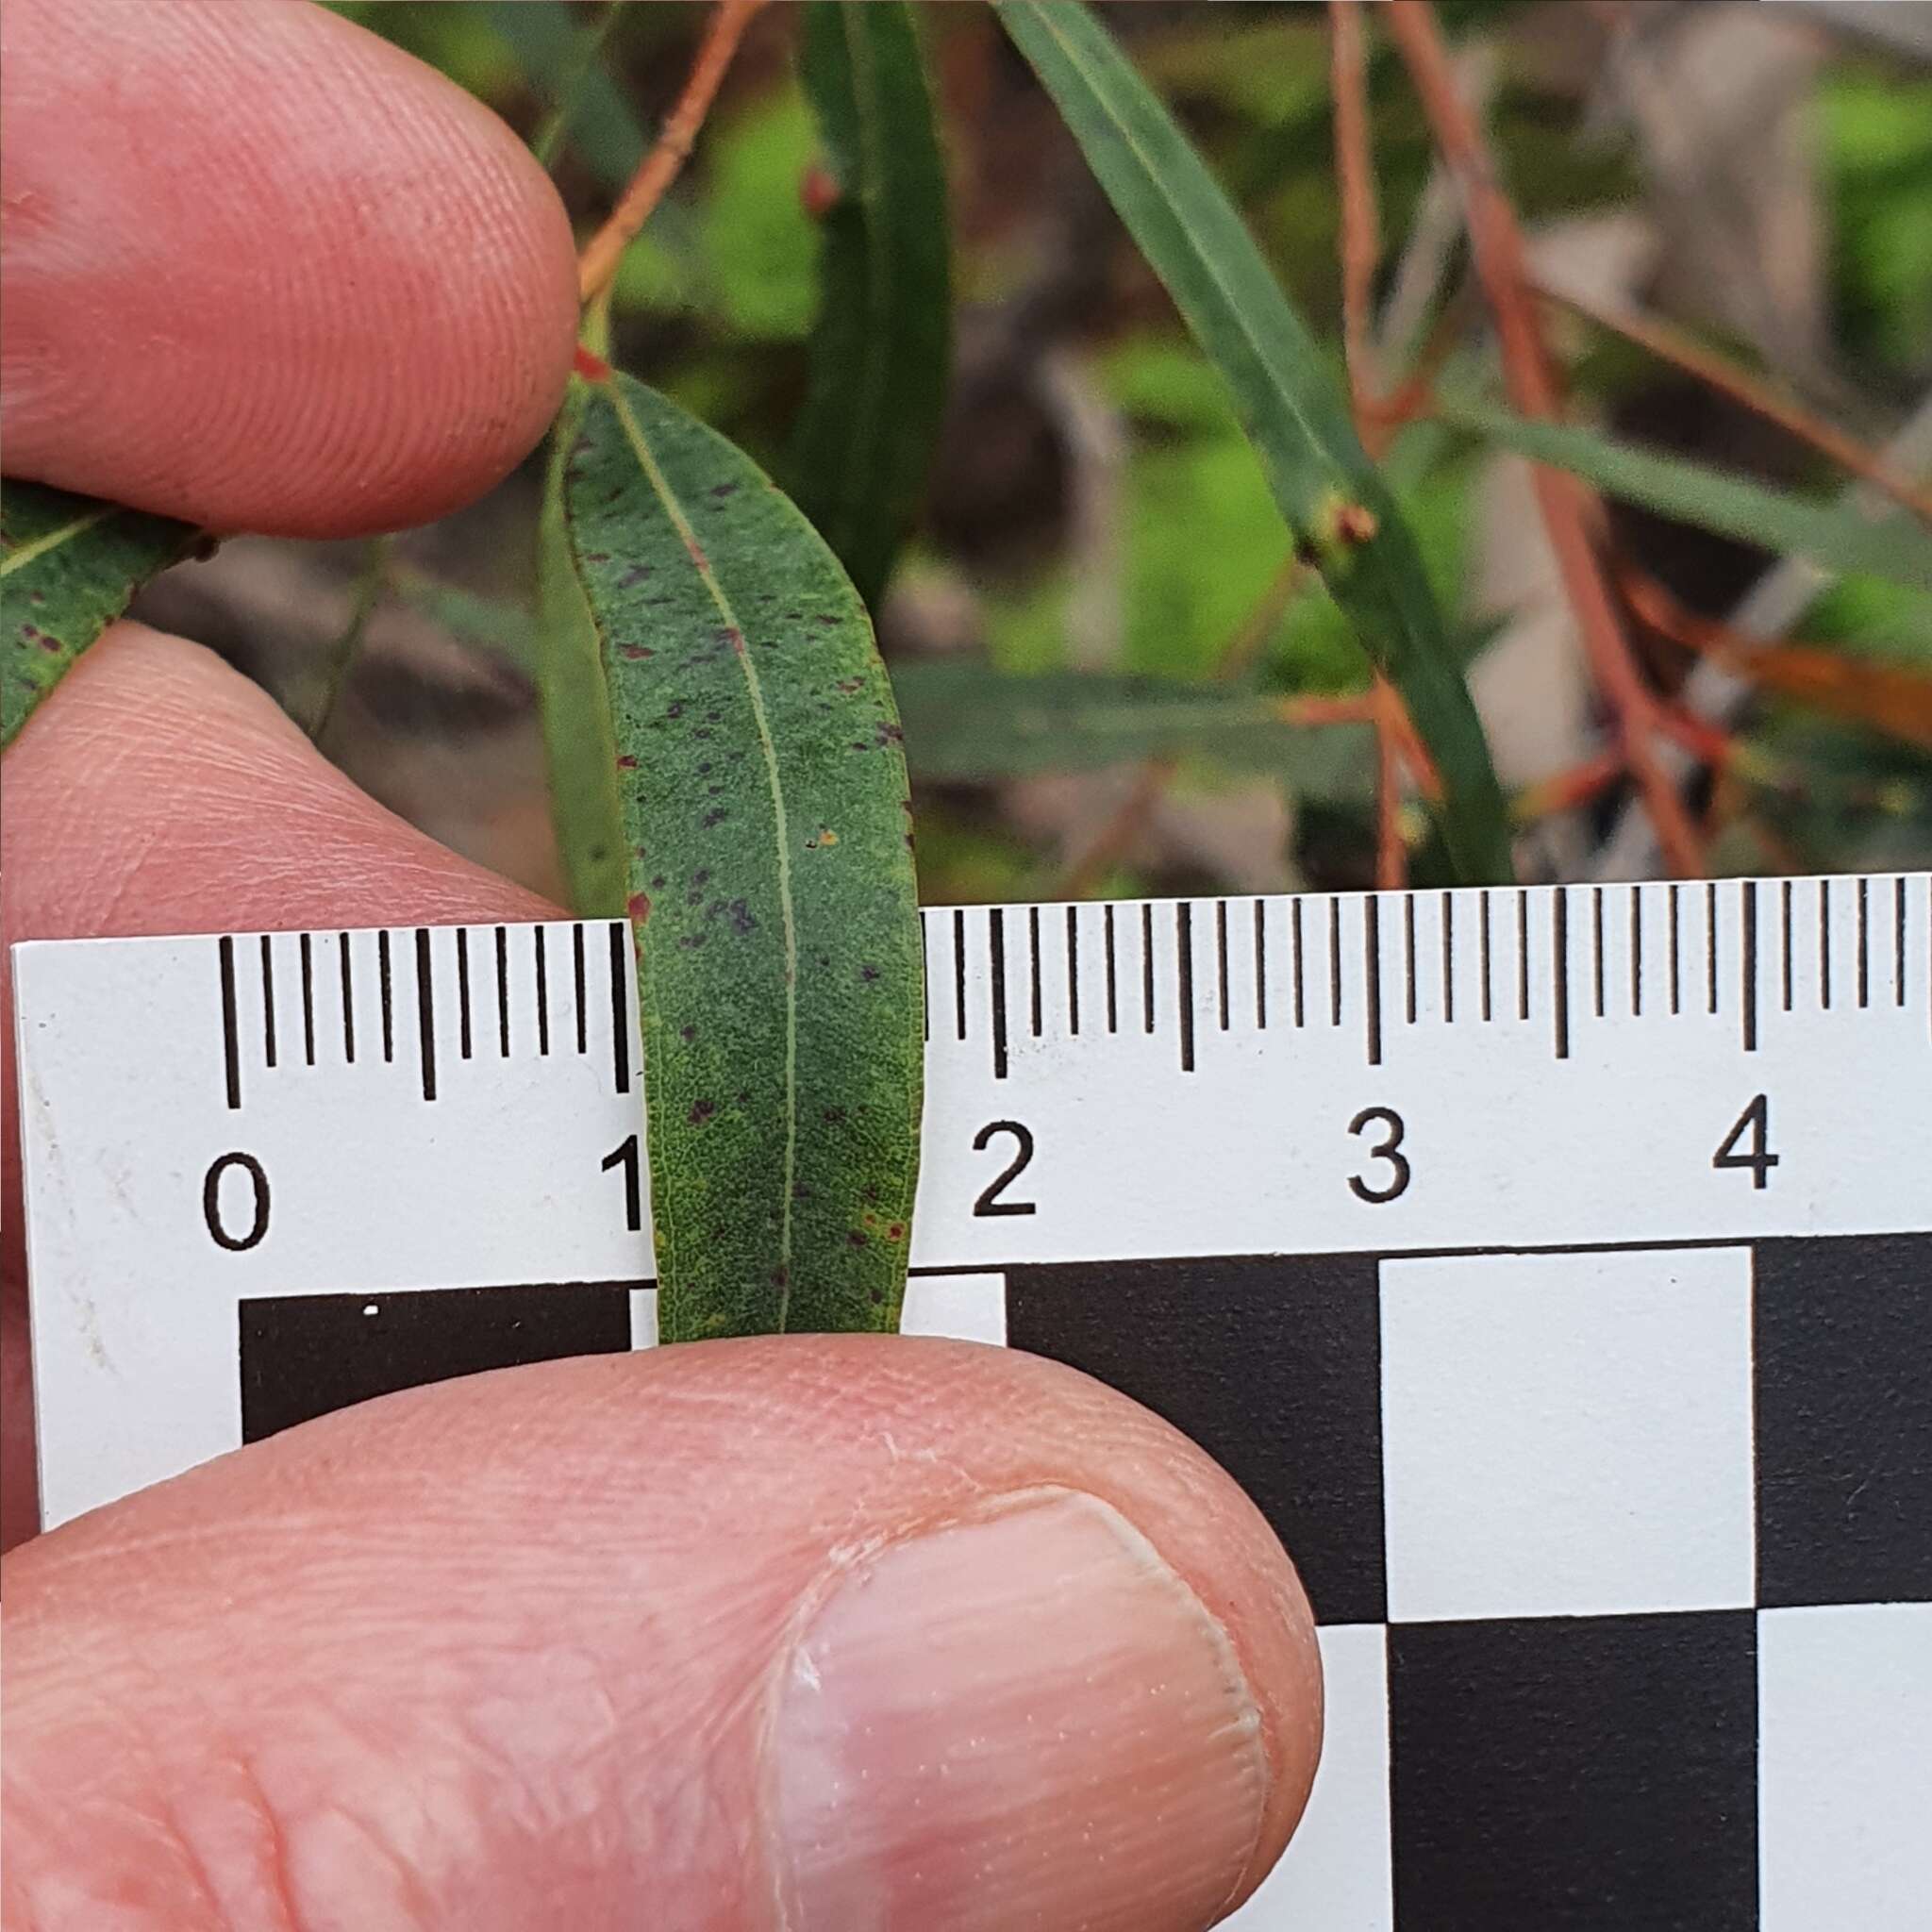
702, 731
833, 1116
724, 489
633, 575
855, 1239
658, 883
781, 1278
876, 1296
884, 733
691, 942
833, 621
896, 1232
716, 816
701, 1110
868, 974
634, 650
596, 557
852, 686
674, 709
687, 1034
742, 919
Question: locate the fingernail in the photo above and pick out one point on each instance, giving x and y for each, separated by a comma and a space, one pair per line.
1028, 1719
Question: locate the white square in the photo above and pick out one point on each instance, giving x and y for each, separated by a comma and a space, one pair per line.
1566, 1435
1336, 1873
1844, 1707
968, 1307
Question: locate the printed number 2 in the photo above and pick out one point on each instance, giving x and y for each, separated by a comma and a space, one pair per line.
1761, 1160
988, 1202
1387, 1150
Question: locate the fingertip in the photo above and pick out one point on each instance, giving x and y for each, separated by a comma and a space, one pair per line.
266, 271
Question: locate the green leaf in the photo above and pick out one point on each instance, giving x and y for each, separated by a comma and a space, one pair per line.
68, 567
580, 743
772, 892
1837, 536
967, 723
1338, 507
881, 345
564, 59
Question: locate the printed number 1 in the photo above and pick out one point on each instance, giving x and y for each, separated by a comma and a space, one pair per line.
1761, 1160
625, 1155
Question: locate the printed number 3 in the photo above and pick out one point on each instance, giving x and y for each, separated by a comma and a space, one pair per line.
1389, 1150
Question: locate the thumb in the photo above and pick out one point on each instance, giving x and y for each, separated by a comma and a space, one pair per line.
843, 1632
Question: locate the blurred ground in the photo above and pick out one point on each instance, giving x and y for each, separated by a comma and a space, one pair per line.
1761, 176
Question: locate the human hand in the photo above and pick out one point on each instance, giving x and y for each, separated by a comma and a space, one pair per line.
831, 1631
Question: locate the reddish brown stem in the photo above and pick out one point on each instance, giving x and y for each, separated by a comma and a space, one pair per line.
597, 264
1681, 351
1567, 507
1567, 790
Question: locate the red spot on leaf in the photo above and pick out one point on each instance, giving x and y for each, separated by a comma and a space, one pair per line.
639, 906
592, 368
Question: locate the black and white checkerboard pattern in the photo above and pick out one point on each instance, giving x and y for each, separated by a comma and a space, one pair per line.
1622, 1558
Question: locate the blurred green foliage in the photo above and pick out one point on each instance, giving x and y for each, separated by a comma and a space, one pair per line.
717, 298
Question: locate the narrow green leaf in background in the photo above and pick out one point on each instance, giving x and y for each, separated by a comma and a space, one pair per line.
772, 891
881, 345
564, 57
579, 743
966, 723
1835, 535
68, 567
1337, 506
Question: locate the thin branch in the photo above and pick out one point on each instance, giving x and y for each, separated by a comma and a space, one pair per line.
1567, 507
1683, 352
597, 264
1894, 699
1777, 600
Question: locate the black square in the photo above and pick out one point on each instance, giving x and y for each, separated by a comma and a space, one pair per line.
1272, 1364
1842, 1343
305, 1354
1576, 1773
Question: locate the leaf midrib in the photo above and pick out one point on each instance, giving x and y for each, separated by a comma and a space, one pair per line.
39, 546
673, 508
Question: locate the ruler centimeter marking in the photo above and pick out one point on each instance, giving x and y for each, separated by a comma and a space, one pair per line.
1053, 984
1480, 1070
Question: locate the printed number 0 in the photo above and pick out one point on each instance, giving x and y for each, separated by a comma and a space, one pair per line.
211, 1202
1398, 1163
988, 1202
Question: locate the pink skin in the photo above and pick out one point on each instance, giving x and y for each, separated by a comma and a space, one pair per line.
821, 1631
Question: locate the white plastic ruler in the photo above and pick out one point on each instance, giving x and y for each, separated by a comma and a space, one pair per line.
236, 1146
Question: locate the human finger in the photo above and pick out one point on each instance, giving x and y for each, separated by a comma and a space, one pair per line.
265, 271
156, 792
815, 1631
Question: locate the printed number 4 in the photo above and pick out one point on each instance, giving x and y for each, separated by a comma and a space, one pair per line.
1755, 1119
